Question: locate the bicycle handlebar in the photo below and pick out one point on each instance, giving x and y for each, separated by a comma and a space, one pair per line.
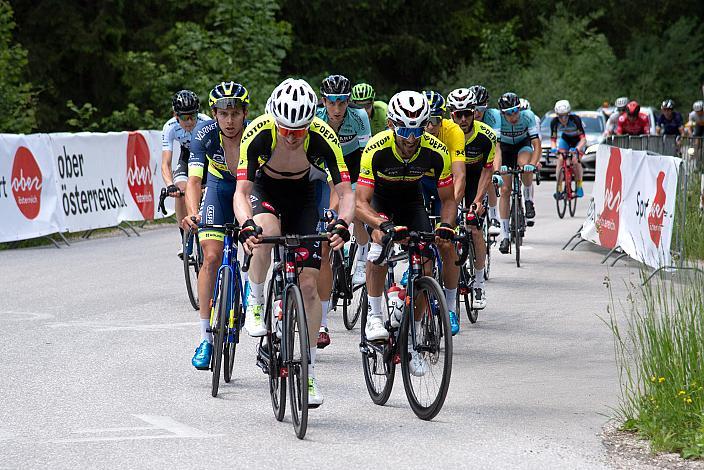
288, 241
388, 243
162, 198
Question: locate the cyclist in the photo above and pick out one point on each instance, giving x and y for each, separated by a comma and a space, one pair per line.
633, 122
612, 122
389, 198
489, 117
566, 132
363, 96
696, 119
480, 148
520, 146
185, 106
276, 157
352, 128
670, 121
216, 145
450, 134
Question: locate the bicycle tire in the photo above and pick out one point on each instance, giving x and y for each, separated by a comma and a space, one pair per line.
487, 261
515, 213
351, 305
573, 201
234, 324
562, 201
296, 334
379, 390
352, 312
191, 266
435, 326
219, 331
277, 383
468, 297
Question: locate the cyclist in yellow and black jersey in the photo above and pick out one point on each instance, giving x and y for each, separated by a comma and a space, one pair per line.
389, 196
277, 153
480, 149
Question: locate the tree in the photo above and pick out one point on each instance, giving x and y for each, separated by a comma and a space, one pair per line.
16, 94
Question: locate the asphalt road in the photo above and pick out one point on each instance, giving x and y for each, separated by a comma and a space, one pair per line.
96, 341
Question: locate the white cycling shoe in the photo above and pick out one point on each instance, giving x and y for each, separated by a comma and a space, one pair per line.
360, 273
494, 227
418, 365
375, 330
479, 299
315, 396
254, 320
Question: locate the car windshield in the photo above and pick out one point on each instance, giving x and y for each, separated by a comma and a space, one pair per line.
592, 124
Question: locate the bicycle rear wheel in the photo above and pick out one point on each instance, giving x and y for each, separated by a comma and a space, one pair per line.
351, 313
487, 238
573, 201
377, 362
277, 380
191, 266
561, 202
433, 352
235, 319
350, 307
218, 327
296, 358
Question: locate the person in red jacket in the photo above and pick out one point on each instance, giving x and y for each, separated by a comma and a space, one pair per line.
633, 122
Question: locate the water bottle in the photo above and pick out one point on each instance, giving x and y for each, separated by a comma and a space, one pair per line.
278, 316
396, 297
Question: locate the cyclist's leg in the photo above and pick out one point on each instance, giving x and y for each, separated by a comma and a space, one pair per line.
325, 276
180, 177
509, 159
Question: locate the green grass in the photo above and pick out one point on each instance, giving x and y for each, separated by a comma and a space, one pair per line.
693, 235
43, 241
660, 354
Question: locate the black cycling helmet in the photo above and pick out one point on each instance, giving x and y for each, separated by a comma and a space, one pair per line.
335, 85
508, 100
481, 96
185, 102
667, 104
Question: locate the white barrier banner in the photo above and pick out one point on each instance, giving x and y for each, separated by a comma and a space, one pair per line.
28, 192
634, 204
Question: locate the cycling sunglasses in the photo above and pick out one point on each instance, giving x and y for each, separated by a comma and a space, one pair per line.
407, 132
295, 133
186, 117
512, 111
435, 120
463, 113
480, 109
334, 98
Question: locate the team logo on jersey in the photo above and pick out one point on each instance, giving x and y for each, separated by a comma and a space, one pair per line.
139, 175
26, 183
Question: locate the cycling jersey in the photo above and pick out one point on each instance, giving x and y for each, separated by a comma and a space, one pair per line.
638, 126
207, 150
480, 148
378, 119
612, 122
173, 131
321, 146
396, 178
569, 133
451, 135
672, 126
492, 117
354, 133
696, 119
525, 127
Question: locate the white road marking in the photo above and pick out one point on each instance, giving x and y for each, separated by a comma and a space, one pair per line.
175, 429
14, 316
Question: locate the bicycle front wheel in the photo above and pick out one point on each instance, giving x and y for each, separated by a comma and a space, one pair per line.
377, 362
561, 202
235, 319
516, 215
573, 201
427, 366
351, 307
277, 380
191, 265
296, 357
218, 327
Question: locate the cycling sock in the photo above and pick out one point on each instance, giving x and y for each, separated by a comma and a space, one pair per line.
362, 250
256, 291
375, 305
579, 183
451, 298
205, 335
528, 193
324, 319
493, 212
479, 277
311, 366
504, 228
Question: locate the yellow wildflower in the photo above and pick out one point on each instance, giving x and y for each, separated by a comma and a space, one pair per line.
653, 378
661, 379
681, 392
689, 400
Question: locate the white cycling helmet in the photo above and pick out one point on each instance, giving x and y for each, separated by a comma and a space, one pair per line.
698, 106
409, 109
461, 98
562, 107
293, 103
525, 104
621, 102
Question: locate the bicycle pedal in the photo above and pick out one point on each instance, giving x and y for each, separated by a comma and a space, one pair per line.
397, 358
530, 223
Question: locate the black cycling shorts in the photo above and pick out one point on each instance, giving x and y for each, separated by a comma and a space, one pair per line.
404, 211
293, 200
509, 152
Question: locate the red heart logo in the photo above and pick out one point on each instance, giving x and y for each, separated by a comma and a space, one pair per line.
26, 182
139, 175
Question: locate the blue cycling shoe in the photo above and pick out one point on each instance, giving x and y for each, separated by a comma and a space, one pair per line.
454, 323
201, 359
580, 192
404, 279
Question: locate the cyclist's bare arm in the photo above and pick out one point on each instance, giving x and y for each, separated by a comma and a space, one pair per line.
459, 176
537, 150
365, 213
448, 213
346, 197
242, 202
166, 156
193, 194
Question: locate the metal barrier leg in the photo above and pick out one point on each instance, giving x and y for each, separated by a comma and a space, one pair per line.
131, 226
578, 234
87, 235
52, 241
124, 230
674, 268
608, 255
577, 244
621, 256
64, 239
